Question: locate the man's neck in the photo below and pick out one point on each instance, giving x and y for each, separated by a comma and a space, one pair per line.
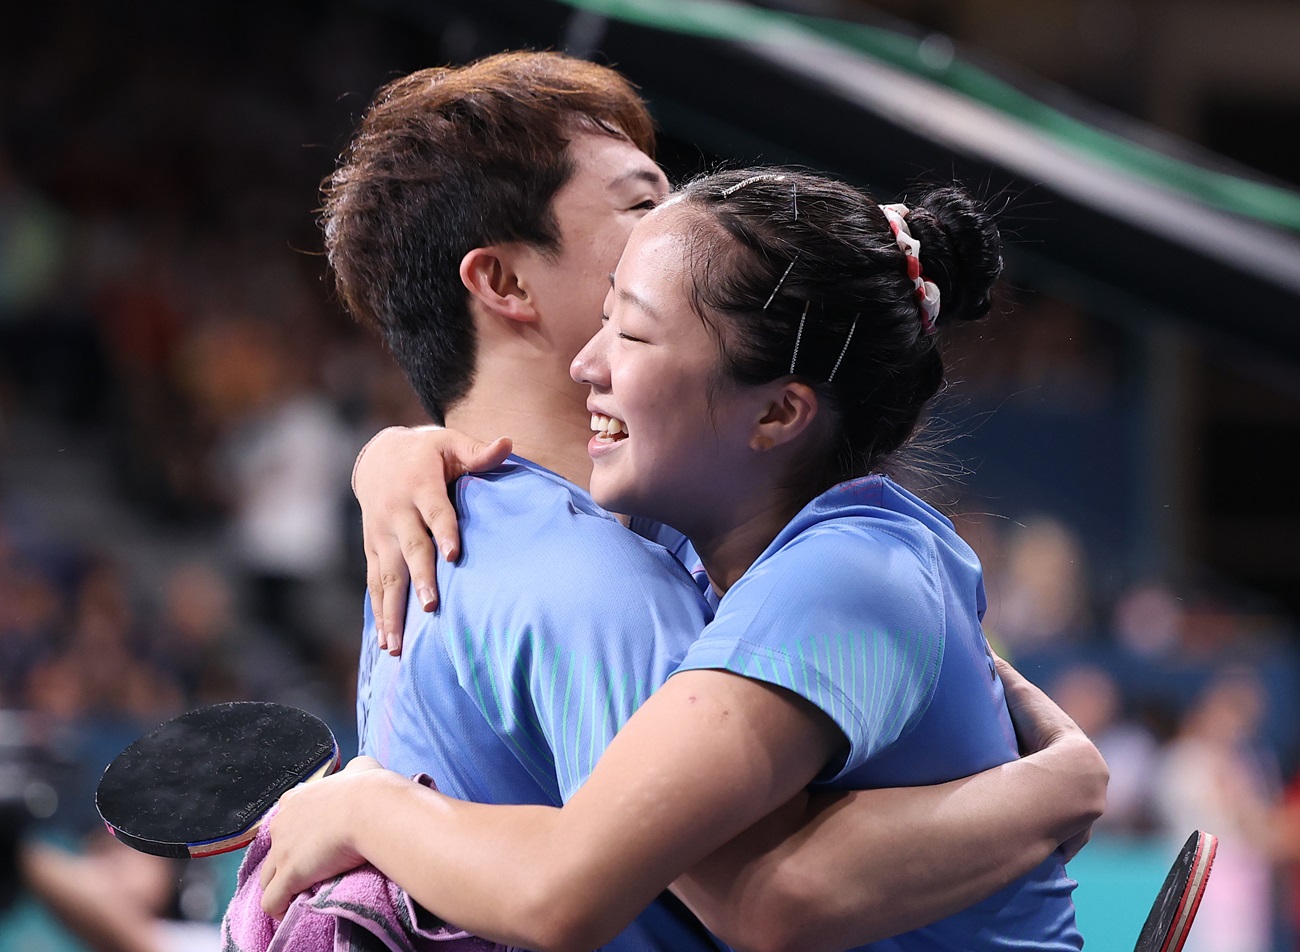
549, 425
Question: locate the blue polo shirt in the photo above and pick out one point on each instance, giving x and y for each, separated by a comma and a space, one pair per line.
555, 625
868, 604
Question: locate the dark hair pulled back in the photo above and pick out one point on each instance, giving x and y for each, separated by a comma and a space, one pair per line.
843, 298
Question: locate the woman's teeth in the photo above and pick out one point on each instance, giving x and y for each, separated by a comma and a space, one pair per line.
609, 428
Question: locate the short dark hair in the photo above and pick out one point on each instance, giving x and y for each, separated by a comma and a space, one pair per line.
450, 159
783, 259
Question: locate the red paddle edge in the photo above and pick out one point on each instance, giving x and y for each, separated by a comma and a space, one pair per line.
1207, 844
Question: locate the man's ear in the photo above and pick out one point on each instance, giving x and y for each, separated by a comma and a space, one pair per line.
787, 414
490, 276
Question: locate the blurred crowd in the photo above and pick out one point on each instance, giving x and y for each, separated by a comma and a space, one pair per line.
162, 302
1190, 694
1187, 683
170, 348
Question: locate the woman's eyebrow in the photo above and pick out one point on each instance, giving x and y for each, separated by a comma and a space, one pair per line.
640, 303
634, 299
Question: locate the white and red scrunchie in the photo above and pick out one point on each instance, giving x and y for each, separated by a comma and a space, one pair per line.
927, 292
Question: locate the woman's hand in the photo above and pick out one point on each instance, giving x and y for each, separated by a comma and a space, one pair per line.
400, 480
1040, 723
311, 833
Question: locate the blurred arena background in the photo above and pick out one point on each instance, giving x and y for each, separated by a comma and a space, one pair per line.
181, 396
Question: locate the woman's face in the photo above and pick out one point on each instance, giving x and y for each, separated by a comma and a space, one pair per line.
672, 429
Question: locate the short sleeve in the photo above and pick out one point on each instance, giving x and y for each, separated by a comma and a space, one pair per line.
848, 617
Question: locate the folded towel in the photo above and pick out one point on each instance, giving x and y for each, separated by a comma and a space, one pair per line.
358, 911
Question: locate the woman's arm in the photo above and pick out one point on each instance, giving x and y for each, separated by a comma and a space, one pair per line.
821, 872
707, 756
832, 871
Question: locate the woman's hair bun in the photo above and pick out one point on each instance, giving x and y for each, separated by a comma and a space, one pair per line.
961, 250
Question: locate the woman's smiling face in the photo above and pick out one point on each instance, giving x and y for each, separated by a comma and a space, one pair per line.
672, 429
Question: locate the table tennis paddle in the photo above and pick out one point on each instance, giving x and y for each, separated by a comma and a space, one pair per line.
1175, 907
200, 783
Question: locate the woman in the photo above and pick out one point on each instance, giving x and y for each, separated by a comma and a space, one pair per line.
769, 343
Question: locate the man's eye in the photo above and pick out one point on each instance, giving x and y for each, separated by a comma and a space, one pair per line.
623, 336
648, 205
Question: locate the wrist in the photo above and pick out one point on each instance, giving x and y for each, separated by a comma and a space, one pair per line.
368, 804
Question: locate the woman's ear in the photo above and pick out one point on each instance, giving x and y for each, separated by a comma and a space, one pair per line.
490, 276
787, 414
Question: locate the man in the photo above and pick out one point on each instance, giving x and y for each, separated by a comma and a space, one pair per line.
474, 221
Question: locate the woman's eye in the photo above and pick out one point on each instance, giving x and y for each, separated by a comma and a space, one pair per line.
623, 336
648, 205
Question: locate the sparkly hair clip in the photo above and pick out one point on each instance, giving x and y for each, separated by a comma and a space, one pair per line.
761, 177
785, 274
845, 349
927, 292
798, 339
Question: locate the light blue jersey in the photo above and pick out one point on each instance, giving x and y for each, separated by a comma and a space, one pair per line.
556, 624
868, 604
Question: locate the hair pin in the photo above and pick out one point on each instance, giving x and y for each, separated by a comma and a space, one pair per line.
772, 297
799, 335
762, 177
845, 349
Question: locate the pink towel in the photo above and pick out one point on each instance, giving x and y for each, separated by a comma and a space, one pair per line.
359, 911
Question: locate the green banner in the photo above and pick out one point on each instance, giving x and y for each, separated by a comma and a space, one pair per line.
1260, 201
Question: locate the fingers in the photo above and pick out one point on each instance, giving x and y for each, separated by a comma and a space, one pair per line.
440, 517
264, 877
375, 588
1037, 718
357, 764
489, 454
404, 556
393, 581
433, 514
397, 526
275, 897
460, 455
386, 581
275, 901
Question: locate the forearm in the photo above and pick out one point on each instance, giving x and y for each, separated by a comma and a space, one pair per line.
571, 878
832, 871
512, 874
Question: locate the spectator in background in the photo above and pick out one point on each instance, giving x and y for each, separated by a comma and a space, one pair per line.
1148, 620
1216, 777
33, 251
80, 680
1040, 600
288, 455
28, 625
193, 638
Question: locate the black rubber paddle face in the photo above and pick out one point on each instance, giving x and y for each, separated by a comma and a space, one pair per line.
200, 783
1175, 907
